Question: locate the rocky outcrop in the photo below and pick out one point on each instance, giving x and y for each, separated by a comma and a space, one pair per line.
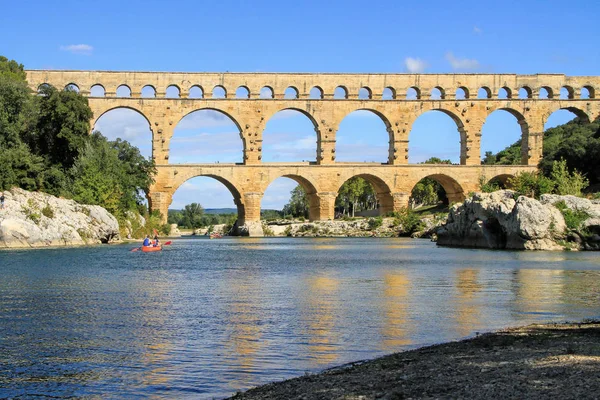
33, 219
499, 221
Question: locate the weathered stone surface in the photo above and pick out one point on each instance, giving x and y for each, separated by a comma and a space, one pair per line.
32, 219
321, 179
592, 208
497, 221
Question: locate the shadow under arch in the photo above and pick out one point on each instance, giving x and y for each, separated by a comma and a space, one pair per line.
388, 128
454, 191
306, 114
501, 180
222, 112
314, 201
237, 198
383, 193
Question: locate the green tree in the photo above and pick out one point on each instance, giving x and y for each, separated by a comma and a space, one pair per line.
531, 184
192, 215
298, 204
566, 182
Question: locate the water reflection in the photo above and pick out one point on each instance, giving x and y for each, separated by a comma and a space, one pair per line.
536, 289
322, 311
396, 327
468, 311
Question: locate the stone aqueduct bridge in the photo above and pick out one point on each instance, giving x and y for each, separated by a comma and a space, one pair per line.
393, 181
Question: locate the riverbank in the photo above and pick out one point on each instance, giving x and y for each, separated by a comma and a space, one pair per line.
536, 361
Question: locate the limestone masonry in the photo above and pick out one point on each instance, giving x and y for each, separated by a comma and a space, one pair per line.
393, 180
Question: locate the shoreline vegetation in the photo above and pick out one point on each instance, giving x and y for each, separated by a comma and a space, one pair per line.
549, 361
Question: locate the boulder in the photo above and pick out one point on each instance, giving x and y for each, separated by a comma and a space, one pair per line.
498, 221
33, 219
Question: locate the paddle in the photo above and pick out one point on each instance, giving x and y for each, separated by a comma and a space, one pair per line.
139, 248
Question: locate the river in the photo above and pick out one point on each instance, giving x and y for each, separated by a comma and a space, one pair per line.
206, 318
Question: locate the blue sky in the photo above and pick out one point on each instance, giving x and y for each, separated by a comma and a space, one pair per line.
309, 36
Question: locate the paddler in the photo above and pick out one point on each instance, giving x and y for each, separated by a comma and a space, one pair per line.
146, 241
155, 243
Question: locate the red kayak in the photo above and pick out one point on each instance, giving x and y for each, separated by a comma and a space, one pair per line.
148, 249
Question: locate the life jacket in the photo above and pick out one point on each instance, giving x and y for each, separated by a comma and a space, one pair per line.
146, 242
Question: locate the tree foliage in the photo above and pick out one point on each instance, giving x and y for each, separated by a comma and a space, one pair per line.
298, 204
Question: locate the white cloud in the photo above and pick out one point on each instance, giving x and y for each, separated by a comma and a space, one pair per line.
84, 49
477, 30
462, 63
415, 65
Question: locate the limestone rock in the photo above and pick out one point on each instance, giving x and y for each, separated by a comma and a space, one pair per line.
33, 219
497, 221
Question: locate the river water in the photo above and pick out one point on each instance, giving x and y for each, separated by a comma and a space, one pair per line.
206, 318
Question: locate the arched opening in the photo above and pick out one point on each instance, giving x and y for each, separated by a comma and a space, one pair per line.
340, 93
365, 93
97, 91
242, 93
126, 124
363, 136
290, 136
148, 91
525, 93
566, 92
196, 92
363, 195
72, 87
498, 182
290, 93
123, 91
266, 93
172, 92
501, 138
219, 92
433, 138
289, 197
437, 93
587, 92
563, 116
484, 92
389, 93
504, 93
545, 93
413, 93
462, 93
316, 93
206, 136
219, 201
436, 190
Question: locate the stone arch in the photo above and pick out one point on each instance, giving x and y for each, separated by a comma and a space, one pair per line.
97, 90
365, 93
126, 123
453, 189
235, 192
567, 92
148, 91
125, 91
310, 189
316, 92
505, 93
97, 117
43, 86
548, 90
579, 113
388, 127
591, 92
459, 126
266, 92
437, 93
219, 92
413, 93
382, 189
72, 86
196, 92
484, 92
462, 93
340, 92
525, 92
291, 92
304, 113
242, 92
223, 112
389, 93
524, 131
173, 92
501, 179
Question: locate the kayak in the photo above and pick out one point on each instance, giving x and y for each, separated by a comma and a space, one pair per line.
148, 249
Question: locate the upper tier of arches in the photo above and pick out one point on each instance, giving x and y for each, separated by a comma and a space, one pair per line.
323, 86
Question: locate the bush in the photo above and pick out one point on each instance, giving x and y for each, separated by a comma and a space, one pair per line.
566, 182
488, 186
288, 230
408, 220
531, 184
573, 218
375, 223
47, 211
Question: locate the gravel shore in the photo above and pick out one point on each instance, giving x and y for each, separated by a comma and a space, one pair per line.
553, 361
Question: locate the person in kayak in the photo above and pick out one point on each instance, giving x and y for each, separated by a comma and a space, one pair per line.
155, 243
146, 241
